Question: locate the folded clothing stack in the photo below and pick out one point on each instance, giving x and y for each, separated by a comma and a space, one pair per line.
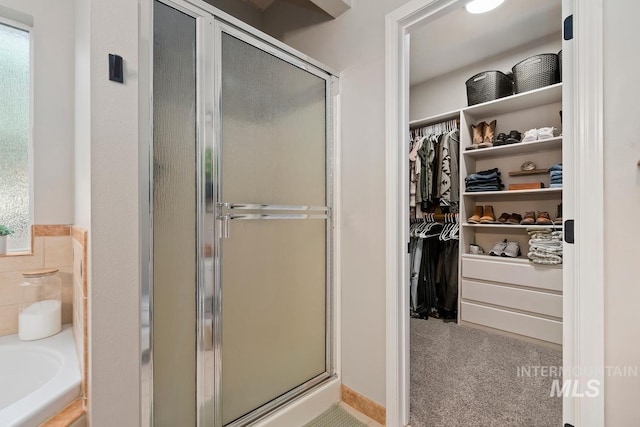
555, 172
488, 180
545, 246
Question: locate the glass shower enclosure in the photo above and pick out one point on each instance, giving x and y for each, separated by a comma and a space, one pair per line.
240, 294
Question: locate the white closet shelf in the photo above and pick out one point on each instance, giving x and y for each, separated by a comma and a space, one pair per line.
508, 104
439, 118
510, 193
513, 226
517, 148
518, 260
520, 101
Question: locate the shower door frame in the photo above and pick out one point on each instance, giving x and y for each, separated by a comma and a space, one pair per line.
210, 24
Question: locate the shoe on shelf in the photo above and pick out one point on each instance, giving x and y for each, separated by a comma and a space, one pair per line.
558, 220
504, 217
489, 133
501, 139
529, 218
472, 147
478, 133
528, 166
499, 248
512, 250
543, 218
475, 249
514, 137
546, 133
489, 217
530, 135
514, 219
477, 214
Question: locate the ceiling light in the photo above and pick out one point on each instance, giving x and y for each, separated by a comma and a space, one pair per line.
482, 6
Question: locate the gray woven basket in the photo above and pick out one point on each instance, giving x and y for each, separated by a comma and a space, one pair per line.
536, 72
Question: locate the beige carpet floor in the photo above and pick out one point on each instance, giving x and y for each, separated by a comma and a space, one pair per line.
462, 376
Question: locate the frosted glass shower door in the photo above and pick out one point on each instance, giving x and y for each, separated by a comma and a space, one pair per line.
175, 190
274, 220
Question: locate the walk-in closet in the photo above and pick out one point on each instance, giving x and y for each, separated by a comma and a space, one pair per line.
486, 187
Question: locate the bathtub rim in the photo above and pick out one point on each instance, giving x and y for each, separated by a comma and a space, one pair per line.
54, 395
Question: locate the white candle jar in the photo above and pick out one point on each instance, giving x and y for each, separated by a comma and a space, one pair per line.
40, 305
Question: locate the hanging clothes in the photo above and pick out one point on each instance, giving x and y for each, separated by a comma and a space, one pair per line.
434, 176
414, 169
450, 176
434, 168
427, 155
434, 268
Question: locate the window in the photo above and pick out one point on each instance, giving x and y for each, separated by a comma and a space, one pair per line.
15, 134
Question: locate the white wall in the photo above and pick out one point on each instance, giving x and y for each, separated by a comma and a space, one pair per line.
53, 107
114, 300
622, 208
82, 136
354, 45
449, 92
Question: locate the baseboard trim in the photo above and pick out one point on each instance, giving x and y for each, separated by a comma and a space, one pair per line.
364, 405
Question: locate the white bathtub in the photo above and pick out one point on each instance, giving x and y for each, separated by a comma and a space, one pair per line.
37, 378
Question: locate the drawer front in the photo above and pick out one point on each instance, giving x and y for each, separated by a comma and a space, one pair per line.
518, 274
520, 299
517, 323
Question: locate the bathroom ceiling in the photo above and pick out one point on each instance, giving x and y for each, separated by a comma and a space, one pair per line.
259, 4
334, 8
460, 39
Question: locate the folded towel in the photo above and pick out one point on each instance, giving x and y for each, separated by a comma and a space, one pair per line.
542, 235
548, 260
545, 243
544, 252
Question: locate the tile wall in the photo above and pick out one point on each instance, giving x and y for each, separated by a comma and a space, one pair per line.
51, 248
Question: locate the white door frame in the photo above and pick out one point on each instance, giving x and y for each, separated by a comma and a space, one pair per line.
583, 325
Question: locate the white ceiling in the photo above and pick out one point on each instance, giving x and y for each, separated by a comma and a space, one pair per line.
460, 39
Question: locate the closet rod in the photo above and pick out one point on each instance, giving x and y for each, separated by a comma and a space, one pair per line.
437, 217
426, 125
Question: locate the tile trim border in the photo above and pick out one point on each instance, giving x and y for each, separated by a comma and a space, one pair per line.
71, 413
363, 404
80, 235
54, 230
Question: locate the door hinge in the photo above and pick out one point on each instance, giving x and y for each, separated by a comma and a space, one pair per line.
408, 247
568, 27
569, 235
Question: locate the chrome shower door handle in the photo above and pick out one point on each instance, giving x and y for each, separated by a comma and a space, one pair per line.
224, 222
253, 211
